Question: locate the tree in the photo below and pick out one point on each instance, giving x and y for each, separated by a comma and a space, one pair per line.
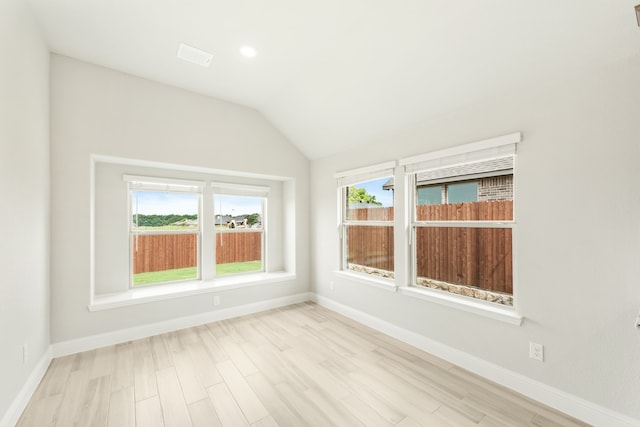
360, 195
253, 218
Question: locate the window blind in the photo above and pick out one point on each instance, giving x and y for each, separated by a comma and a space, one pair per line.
163, 184
240, 189
368, 173
475, 158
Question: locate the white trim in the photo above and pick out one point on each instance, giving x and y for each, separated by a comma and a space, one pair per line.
486, 144
123, 335
470, 305
21, 401
386, 284
569, 404
147, 294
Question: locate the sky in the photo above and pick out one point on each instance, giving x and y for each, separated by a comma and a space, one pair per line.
375, 188
161, 203
236, 205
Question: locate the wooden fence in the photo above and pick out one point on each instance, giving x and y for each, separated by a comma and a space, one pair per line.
370, 214
479, 257
158, 252
371, 246
477, 211
236, 246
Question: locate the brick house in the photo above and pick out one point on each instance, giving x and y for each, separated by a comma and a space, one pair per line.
489, 180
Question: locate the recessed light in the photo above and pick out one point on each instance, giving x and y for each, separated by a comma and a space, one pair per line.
248, 51
194, 55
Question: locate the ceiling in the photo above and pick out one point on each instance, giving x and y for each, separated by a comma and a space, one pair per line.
334, 74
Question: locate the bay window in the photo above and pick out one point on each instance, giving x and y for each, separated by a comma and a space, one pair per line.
162, 231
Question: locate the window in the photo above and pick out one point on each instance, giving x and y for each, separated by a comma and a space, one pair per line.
166, 233
164, 230
430, 194
462, 192
240, 228
367, 221
462, 221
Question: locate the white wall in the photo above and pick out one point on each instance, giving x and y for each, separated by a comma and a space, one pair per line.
100, 111
24, 191
577, 212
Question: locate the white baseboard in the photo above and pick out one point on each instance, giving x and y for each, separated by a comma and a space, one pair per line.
21, 401
567, 403
116, 337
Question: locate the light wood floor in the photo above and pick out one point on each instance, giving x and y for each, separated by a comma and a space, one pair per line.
301, 365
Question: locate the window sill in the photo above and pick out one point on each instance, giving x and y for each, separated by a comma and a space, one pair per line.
387, 285
174, 290
492, 311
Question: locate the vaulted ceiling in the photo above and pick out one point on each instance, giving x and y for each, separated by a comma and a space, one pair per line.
334, 74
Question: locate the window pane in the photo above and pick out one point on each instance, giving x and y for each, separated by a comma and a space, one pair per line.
161, 258
164, 211
239, 234
487, 199
475, 262
430, 195
463, 192
370, 249
173, 253
370, 201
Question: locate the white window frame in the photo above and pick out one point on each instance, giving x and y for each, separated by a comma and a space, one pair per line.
468, 153
162, 185
345, 179
242, 190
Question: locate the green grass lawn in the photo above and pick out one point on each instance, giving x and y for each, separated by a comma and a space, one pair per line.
165, 276
238, 267
191, 272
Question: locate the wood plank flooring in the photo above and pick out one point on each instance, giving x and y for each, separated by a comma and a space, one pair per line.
300, 365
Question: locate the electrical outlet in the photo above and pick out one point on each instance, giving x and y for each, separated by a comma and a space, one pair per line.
216, 300
536, 351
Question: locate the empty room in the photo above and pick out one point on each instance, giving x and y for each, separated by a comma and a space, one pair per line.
290, 213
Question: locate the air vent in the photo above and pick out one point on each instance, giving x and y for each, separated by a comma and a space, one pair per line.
194, 55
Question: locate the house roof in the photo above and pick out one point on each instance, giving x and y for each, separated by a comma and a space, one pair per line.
475, 170
332, 75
